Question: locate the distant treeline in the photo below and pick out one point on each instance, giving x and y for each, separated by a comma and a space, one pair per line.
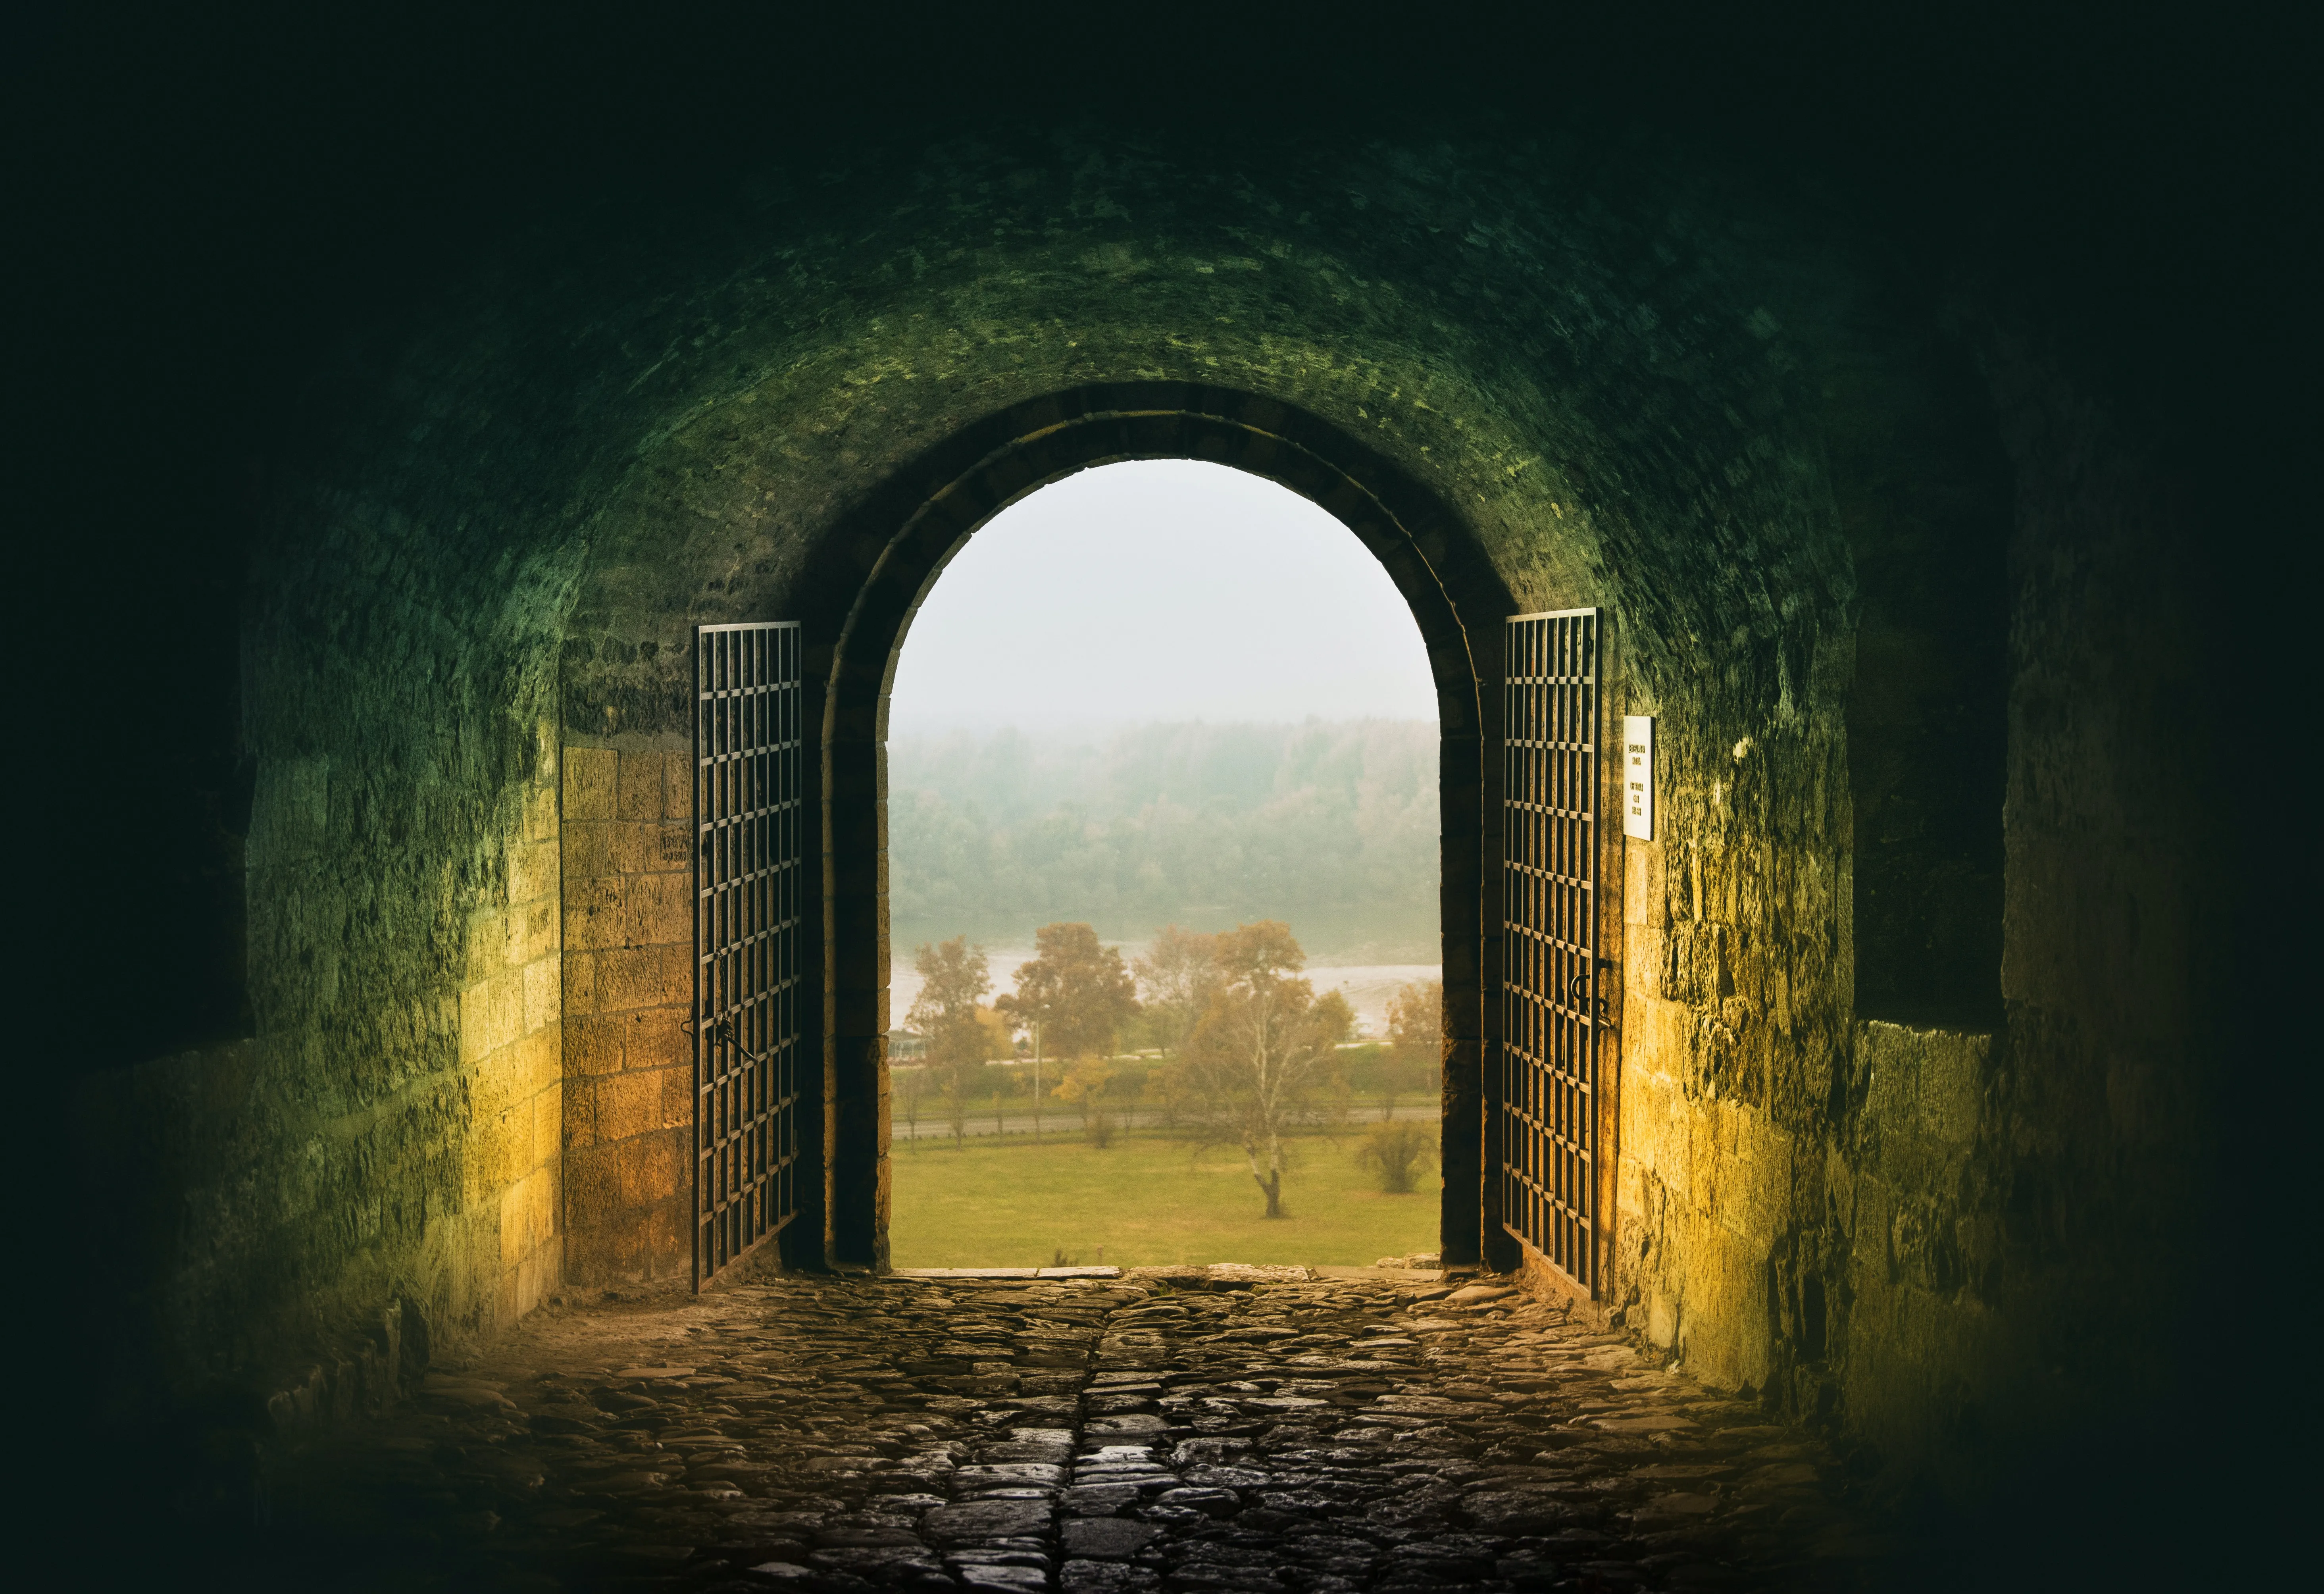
1332, 827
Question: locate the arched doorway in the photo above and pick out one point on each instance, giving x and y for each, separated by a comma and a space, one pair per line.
1145, 707
856, 603
1726, 412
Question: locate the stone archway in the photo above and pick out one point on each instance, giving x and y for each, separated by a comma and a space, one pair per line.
1722, 422
1925, 1075
854, 596
1710, 456
858, 600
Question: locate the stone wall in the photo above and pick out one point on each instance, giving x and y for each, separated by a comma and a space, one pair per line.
511, 1053
1934, 1237
1638, 380
629, 985
388, 1144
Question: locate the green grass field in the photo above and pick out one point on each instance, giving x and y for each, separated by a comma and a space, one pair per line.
1147, 1202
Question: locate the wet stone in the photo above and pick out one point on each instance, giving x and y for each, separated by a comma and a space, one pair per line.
1007, 1472
1210, 1502
1002, 1576
1081, 1434
1107, 1538
884, 1558
986, 1519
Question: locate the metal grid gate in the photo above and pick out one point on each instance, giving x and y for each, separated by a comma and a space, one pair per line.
749, 824
1549, 928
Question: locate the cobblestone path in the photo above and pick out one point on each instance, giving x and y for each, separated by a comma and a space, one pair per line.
1232, 1434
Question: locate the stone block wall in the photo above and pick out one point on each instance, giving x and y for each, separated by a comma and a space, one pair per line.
628, 1101
385, 1150
511, 1046
1734, 1023
1699, 416
1704, 1176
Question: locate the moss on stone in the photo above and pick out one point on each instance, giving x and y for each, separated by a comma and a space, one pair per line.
1637, 382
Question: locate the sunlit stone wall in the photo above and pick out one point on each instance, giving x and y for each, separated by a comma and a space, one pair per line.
628, 1090
512, 1057
1641, 382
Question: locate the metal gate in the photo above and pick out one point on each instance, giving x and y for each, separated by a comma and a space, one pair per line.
749, 824
1548, 1107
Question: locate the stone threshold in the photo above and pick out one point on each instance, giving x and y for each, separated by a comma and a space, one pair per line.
1004, 1273
1219, 1271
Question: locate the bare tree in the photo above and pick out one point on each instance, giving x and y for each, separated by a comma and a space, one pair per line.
1262, 1051
952, 976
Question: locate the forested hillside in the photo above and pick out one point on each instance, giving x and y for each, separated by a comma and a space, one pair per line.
1329, 827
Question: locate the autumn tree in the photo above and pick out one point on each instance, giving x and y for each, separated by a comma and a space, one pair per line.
1128, 1084
911, 1087
999, 1042
1073, 997
1259, 1058
1177, 979
1085, 1082
1416, 1036
952, 976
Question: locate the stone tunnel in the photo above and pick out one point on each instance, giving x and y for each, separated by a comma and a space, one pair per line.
1908, 1116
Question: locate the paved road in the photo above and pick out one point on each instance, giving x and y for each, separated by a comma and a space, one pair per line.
1168, 1430
1057, 1125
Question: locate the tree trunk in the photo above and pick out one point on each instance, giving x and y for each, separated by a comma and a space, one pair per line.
1272, 1185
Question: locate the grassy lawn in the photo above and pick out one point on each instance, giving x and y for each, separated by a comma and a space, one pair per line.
1148, 1202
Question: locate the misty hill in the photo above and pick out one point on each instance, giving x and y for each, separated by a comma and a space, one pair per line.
1329, 827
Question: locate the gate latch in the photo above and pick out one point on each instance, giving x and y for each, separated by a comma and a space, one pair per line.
1575, 995
723, 1033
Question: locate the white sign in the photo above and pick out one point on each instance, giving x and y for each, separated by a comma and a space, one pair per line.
1638, 776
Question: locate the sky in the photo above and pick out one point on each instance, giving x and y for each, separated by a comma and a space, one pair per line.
1160, 589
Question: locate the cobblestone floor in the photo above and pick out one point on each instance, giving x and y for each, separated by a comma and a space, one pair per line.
1084, 1435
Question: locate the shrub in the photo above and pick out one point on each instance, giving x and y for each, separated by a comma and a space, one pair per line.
1396, 1153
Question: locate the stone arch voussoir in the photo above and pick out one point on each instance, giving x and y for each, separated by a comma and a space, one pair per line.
872, 569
